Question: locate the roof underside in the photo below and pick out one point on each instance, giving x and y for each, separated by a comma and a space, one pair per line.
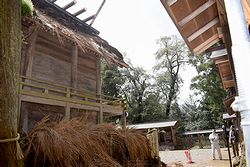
197, 21
153, 125
204, 27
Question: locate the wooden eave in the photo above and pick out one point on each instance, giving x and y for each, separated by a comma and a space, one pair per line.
199, 22
226, 73
202, 24
221, 60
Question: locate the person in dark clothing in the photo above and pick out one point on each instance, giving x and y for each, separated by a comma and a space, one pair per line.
233, 140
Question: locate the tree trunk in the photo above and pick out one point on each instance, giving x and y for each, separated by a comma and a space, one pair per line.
10, 49
170, 99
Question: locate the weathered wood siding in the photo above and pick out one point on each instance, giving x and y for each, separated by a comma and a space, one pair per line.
32, 113
52, 61
86, 74
85, 115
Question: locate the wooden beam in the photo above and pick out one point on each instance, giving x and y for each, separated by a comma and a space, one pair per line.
221, 12
221, 62
196, 12
74, 64
89, 18
80, 12
98, 77
40, 100
203, 29
98, 11
171, 2
72, 3
99, 87
200, 48
114, 110
228, 84
84, 107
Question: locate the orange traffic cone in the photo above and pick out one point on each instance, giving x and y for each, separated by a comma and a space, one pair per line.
188, 155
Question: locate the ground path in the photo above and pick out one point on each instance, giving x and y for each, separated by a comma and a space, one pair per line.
201, 158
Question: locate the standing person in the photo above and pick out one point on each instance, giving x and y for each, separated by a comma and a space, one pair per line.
214, 139
233, 141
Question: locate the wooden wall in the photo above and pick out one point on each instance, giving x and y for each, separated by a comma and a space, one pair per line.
32, 113
47, 59
52, 61
86, 115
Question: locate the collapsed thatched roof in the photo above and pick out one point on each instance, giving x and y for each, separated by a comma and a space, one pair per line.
61, 23
75, 143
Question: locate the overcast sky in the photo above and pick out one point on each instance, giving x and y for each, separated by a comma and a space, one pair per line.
133, 26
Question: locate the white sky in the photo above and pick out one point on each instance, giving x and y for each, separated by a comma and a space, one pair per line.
133, 26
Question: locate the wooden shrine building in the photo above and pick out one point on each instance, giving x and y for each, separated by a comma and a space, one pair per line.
166, 132
60, 68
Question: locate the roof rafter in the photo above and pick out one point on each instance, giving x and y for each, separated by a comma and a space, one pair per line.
196, 12
209, 42
171, 2
203, 29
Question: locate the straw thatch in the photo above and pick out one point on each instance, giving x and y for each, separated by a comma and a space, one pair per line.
60, 23
75, 143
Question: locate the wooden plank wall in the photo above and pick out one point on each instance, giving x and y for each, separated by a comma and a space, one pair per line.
86, 115
52, 61
32, 113
59, 62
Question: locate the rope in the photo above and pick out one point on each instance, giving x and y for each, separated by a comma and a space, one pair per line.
19, 154
11, 139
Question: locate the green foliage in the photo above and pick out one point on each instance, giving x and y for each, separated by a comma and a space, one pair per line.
27, 8
170, 58
207, 86
112, 80
135, 89
135, 85
150, 98
153, 109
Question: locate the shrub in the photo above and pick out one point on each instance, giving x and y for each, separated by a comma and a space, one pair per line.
27, 8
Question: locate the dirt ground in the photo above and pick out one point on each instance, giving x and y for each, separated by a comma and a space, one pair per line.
201, 158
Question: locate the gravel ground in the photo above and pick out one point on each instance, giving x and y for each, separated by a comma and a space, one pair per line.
201, 158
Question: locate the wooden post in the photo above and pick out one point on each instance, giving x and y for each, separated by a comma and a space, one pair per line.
154, 142
173, 136
123, 103
67, 112
123, 119
67, 107
74, 64
100, 115
99, 87
10, 56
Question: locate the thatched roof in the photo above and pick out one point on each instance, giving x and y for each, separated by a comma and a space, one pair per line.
75, 143
65, 26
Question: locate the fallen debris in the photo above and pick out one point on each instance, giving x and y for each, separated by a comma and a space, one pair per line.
75, 143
